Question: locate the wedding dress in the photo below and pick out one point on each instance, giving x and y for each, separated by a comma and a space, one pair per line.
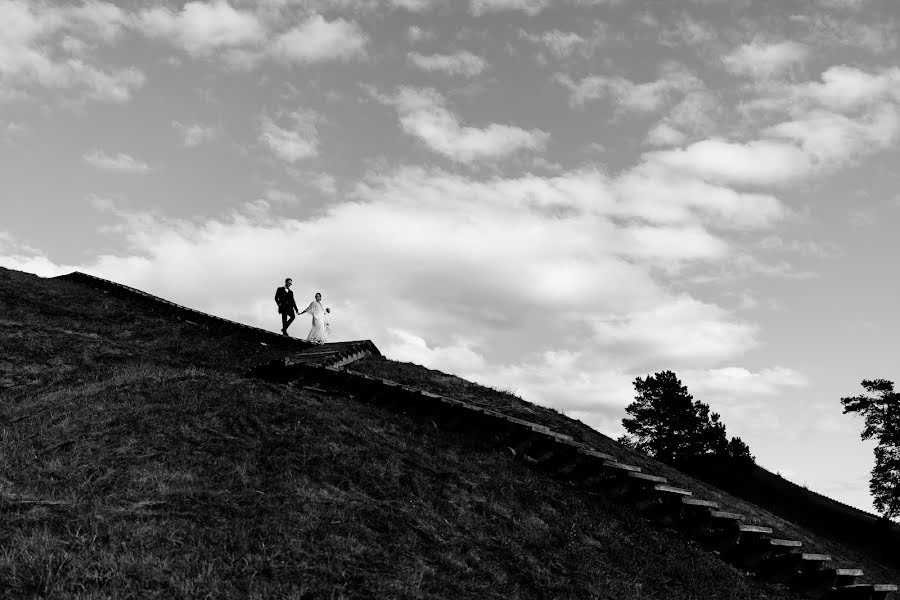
319, 332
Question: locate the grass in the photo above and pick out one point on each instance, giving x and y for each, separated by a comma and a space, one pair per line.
853, 539
136, 461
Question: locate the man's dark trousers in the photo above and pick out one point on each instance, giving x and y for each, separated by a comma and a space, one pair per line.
286, 320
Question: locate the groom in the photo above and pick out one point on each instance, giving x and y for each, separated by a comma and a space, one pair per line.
287, 307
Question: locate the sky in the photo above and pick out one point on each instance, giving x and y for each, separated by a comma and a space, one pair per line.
550, 197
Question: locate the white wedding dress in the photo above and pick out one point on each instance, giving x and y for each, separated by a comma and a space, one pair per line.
319, 332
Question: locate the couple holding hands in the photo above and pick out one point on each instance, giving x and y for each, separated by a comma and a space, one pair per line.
284, 298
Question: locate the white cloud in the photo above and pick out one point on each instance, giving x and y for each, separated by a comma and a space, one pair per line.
44, 46
120, 162
19, 256
298, 142
690, 32
697, 113
413, 5
681, 331
832, 139
666, 197
530, 7
663, 134
97, 20
835, 31
416, 34
845, 4
459, 63
759, 162
424, 115
650, 96
846, 88
459, 357
316, 40
810, 127
763, 60
561, 44
739, 381
201, 28
193, 134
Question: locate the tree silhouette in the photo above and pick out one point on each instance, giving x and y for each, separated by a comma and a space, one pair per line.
881, 411
667, 423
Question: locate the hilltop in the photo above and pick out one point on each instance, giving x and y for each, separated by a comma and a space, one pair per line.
137, 459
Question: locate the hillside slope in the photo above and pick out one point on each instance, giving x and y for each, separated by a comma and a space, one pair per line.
136, 460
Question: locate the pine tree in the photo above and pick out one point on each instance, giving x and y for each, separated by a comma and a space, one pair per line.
667, 423
881, 411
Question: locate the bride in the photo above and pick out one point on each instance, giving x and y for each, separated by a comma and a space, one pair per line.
320, 326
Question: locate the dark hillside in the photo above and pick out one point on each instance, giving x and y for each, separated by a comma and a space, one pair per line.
851, 537
867, 534
137, 461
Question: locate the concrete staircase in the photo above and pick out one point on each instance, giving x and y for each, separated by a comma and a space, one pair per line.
751, 547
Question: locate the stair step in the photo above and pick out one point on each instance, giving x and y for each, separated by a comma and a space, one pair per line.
790, 566
595, 454
755, 530
824, 581
634, 475
615, 465
725, 516
675, 491
846, 572
697, 503
863, 591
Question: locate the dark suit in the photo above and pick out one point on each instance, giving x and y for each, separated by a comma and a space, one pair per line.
284, 298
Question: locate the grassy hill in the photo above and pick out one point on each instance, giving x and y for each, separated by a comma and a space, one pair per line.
137, 461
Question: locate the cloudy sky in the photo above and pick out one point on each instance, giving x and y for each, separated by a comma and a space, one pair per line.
547, 196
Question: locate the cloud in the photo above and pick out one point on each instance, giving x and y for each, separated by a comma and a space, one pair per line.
413, 5
846, 88
298, 142
664, 134
201, 28
97, 20
530, 7
679, 331
416, 34
650, 96
833, 140
741, 382
697, 113
672, 198
457, 358
830, 31
459, 63
193, 134
316, 40
526, 282
424, 115
759, 162
561, 44
688, 32
45, 46
808, 127
845, 4
120, 162
19, 256
762, 60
